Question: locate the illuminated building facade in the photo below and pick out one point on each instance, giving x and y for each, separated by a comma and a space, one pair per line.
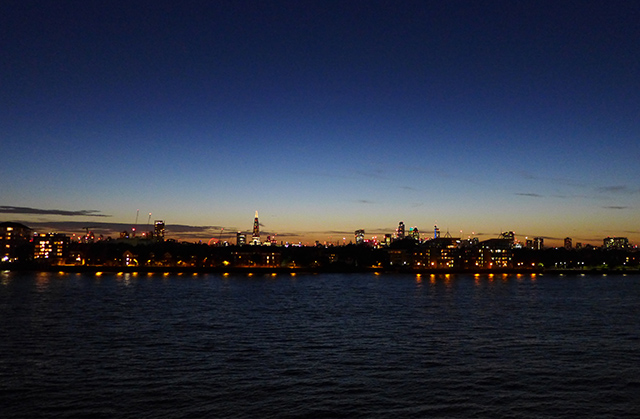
400, 231
494, 253
615, 243
538, 243
13, 236
359, 236
257, 259
442, 252
241, 239
52, 246
158, 231
255, 238
568, 244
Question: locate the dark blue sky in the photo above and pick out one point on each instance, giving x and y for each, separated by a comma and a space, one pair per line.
325, 116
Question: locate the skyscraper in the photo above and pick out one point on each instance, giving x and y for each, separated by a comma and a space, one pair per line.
538, 243
567, 243
400, 232
159, 230
241, 238
256, 231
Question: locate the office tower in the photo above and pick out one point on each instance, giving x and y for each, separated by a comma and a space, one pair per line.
415, 234
400, 231
568, 243
615, 243
255, 238
359, 236
241, 238
159, 230
538, 243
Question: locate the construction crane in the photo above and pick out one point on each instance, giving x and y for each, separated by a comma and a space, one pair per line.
88, 227
135, 226
89, 236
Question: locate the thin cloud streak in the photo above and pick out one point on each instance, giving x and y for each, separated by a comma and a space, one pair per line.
555, 180
37, 211
79, 227
618, 189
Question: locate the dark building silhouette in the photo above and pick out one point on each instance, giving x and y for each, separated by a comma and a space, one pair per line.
568, 244
13, 236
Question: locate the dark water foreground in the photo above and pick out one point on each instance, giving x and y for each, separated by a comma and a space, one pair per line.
327, 345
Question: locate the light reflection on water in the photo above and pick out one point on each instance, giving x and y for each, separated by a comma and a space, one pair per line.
354, 345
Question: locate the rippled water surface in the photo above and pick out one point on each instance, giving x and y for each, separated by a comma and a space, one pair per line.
356, 345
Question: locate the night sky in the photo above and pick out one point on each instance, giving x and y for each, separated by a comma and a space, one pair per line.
326, 117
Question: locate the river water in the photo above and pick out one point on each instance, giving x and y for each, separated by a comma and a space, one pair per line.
325, 345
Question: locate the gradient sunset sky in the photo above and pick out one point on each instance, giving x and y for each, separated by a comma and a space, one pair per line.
325, 116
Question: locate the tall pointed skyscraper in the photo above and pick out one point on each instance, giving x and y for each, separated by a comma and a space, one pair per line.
256, 231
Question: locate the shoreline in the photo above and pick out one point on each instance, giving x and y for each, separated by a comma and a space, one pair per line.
284, 270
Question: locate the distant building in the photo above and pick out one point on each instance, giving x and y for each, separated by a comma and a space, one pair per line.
52, 246
538, 243
13, 236
400, 231
159, 230
414, 233
255, 238
509, 235
436, 232
568, 244
241, 239
359, 236
615, 243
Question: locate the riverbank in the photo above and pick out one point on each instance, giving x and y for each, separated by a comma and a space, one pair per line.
300, 270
